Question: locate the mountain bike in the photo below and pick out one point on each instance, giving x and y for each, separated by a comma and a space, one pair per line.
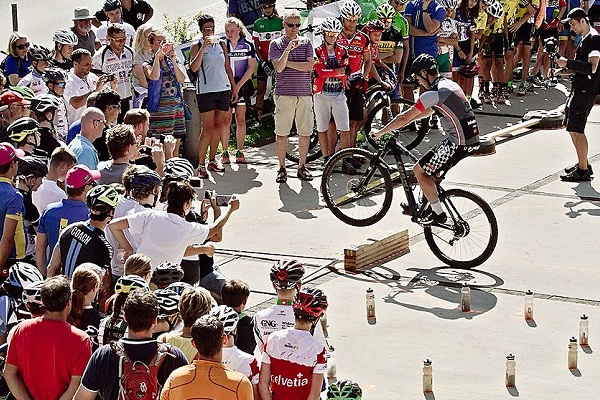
465, 240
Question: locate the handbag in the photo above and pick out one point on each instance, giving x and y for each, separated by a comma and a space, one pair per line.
187, 111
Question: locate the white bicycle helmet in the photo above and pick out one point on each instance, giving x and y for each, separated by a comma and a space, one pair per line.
178, 168
22, 274
228, 317
495, 9
65, 36
331, 24
168, 302
129, 283
32, 294
385, 11
179, 287
448, 4
350, 9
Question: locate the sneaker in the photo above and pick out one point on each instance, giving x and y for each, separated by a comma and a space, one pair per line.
347, 167
281, 176
522, 91
356, 163
501, 98
475, 103
433, 121
225, 157
577, 175
202, 172
574, 167
432, 218
215, 166
239, 157
487, 97
304, 174
325, 159
535, 81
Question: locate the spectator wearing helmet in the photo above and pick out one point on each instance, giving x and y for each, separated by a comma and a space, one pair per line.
85, 284
114, 15
374, 30
56, 81
81, 82
123, 148
20, 275
165, 274
29, 178
116, 59
36, 342
134, 12
17, 64
194, 303
168, 316
234, 358
84, 241
93, 123
344, 389
23, 133
491, 56
464, 57
39, 56
64, 43
208, 374
32, 299
43, 110
304, 365
61, 161
56, 216
12, 209
141, 312
82, 28
235, 294
331, 76
267, 28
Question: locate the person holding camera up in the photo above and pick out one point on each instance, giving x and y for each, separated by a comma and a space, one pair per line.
586, 80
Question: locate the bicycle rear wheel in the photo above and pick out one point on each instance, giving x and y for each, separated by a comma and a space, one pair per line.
292, 150
469, 236
359, 199
380, 116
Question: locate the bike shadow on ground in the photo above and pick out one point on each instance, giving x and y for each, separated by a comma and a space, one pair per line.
236, 181
443, 283
588, 196
300, 204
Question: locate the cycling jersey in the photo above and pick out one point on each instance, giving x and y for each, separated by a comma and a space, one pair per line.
457, 117
80, 243
423, 44
239, 56
294, 356
61, 123
108, 62
327, 78
244, 363
30, 220
522, 8
8, 317
265, 30
12, 207
57, 216
358, 49
401, 25
464, 26
34, 81
391, 40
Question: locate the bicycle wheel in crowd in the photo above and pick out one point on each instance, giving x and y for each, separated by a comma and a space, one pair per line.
470, 234
381, 115
359, 199
314, 150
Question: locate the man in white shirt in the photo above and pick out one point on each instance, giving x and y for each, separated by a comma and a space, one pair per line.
114, 15
61, 161
81, 83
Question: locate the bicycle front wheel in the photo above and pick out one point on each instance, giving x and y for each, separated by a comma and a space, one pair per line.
357, 196
380, 116
293, 149
470, 234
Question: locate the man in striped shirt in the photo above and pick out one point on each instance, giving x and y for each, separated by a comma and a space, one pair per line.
293, 60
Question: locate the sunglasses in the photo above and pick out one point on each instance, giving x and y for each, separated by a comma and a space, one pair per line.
61, 84
352, 17
103, 121
331, 34
293, 25
115, 106
208, 29
22, 46
120, 40
268, 5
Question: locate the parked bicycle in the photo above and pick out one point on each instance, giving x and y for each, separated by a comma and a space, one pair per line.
465, 240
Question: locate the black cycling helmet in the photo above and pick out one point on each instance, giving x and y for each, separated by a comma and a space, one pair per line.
285, 274
102, 199
45, 102
110, 5
53, 75
32, 166
263, 2
344, 389
144, 179
166, 273
39, 53
21, 128
423, 62
309, 304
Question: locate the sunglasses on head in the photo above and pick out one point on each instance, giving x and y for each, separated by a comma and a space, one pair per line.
122, 39
386, 20
22, 46
293, 25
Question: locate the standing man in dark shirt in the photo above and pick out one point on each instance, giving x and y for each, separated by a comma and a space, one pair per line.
82, 27
135, 12
583, 92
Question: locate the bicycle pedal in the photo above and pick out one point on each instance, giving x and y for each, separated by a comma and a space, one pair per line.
405, 209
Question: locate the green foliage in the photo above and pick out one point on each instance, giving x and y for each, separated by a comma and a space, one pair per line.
181, 29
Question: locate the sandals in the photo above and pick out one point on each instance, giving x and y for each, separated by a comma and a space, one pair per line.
304, 174
215, 166
281, 176
202, 172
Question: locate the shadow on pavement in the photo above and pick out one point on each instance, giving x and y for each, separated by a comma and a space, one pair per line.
245, 179
299, 204
588, 196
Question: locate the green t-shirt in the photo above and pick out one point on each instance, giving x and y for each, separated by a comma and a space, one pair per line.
266, 30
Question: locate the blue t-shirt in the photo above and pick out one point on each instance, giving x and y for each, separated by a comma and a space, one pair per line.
424, 44
246, 10
15, 65
74, 130
85, 151
58, 215
13, 207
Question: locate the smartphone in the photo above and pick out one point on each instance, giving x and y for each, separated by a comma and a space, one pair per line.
223, 200
195, 182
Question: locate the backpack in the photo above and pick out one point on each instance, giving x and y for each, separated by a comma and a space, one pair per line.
136, 379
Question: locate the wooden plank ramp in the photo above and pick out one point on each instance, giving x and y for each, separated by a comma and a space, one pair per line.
377, 250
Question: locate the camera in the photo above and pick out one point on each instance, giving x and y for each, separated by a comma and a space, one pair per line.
551, 45
222, 200
110, 77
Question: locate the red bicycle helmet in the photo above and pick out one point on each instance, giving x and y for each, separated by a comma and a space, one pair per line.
309, 304
285, 274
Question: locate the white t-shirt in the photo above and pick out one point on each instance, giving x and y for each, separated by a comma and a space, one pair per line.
165, 236
61, 122
244, 363
47, 193
76, 87
124, 207
34, 82
108, 62
102, 36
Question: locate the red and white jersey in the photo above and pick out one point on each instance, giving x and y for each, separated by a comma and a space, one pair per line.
294, 355
358, 49
244, 363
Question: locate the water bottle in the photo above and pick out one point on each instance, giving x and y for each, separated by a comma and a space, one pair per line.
465, 297
371, 319
427, 376
510, 371
584, 331
529, 305
331, 368
572, 353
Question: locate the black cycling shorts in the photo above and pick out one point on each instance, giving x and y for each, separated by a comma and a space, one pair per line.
548, 33
444, 156
523, 35
261, 75
577, 110
355, 97
493, 46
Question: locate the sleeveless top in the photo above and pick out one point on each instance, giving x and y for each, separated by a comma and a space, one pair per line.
212, 76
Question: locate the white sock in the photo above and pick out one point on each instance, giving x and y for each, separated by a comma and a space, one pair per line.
436, 206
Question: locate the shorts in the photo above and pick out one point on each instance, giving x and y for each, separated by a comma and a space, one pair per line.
214, 281
444, 156
328, 105
443, 62
548, 33
356, 100
289, 107
523, 35
494, 46
214, 101
261, 75
407, 72
577, 110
